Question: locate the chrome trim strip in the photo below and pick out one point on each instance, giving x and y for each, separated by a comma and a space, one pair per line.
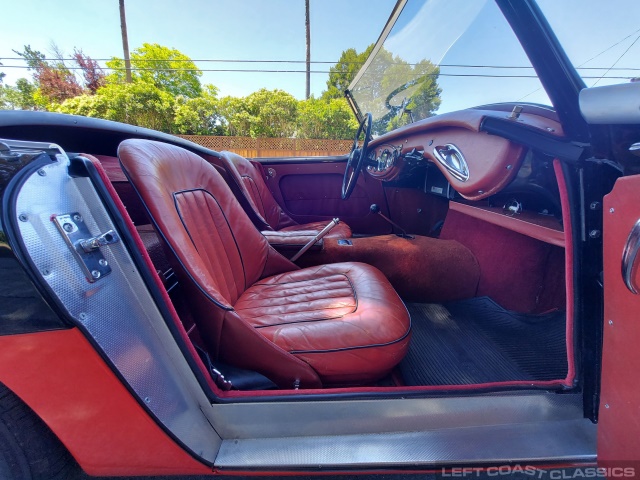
397, 10
629, 257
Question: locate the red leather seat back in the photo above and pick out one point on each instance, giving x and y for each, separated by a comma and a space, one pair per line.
254, 191
200, 218
218, 250
343, 323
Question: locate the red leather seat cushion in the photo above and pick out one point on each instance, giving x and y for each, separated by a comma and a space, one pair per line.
342, 230
340, 319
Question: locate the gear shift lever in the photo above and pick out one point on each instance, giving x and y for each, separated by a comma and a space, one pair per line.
376, 209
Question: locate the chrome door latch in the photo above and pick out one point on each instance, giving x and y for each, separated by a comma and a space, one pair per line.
84, 246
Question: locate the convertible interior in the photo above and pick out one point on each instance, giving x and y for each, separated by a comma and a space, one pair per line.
443, 294
446, 270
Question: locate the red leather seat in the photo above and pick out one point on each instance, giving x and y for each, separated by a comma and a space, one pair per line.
327, 325
260, 205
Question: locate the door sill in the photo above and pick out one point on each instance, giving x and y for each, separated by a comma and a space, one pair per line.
570, 441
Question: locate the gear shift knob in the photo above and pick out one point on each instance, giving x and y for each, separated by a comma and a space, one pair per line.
374, 208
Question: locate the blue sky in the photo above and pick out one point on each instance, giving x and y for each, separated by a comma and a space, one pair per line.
274, 30
202, 29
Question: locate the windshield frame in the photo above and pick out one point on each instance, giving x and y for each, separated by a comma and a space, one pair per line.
558, 76
395, 13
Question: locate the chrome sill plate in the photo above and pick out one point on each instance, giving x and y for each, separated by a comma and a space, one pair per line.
560, 441
351, 417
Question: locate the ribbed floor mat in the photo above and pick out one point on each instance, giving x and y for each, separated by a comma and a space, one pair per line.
477, 341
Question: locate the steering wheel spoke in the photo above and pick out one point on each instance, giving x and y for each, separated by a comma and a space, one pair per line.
357, 157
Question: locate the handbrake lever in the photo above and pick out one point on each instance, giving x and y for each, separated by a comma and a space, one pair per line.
318, 237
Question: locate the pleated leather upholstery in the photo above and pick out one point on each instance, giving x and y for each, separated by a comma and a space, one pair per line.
334, 324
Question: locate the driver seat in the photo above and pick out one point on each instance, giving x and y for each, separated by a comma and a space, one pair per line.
251, 190
337, 324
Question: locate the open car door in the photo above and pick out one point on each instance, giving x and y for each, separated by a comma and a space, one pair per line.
619, 428
619, 413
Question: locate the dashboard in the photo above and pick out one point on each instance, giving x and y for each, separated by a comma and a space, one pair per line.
458, 159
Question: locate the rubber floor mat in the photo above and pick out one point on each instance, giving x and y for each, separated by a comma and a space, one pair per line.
477, 341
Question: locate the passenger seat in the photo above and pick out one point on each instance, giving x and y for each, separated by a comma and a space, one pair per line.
262, 208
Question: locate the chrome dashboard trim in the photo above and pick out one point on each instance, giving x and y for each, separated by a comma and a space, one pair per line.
451, 158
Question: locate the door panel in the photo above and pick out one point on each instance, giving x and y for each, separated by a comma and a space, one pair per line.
619, 424
309, 191
325, 200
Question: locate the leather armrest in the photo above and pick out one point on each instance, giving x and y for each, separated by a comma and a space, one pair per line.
292, 241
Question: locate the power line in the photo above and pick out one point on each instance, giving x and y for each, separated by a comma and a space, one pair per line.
582, 67
231, 70
220, 60
210, 60
610, 47
619, 58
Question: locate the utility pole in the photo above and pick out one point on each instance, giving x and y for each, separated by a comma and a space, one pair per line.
308, 27
125, 41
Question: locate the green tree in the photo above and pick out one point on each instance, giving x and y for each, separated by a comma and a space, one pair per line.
236, 119
200, 115
34, 58
343, 72
420, 96
393, 90
319, 118
3, 102
85, 105
54, 80
140, 104
19, 97
275, 113
166, 68
265, 113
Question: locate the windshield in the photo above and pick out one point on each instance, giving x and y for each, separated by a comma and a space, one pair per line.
439, 56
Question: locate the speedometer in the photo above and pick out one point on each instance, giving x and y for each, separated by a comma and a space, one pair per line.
384, 161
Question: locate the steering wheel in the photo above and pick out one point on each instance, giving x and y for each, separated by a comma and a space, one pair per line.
357, 157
